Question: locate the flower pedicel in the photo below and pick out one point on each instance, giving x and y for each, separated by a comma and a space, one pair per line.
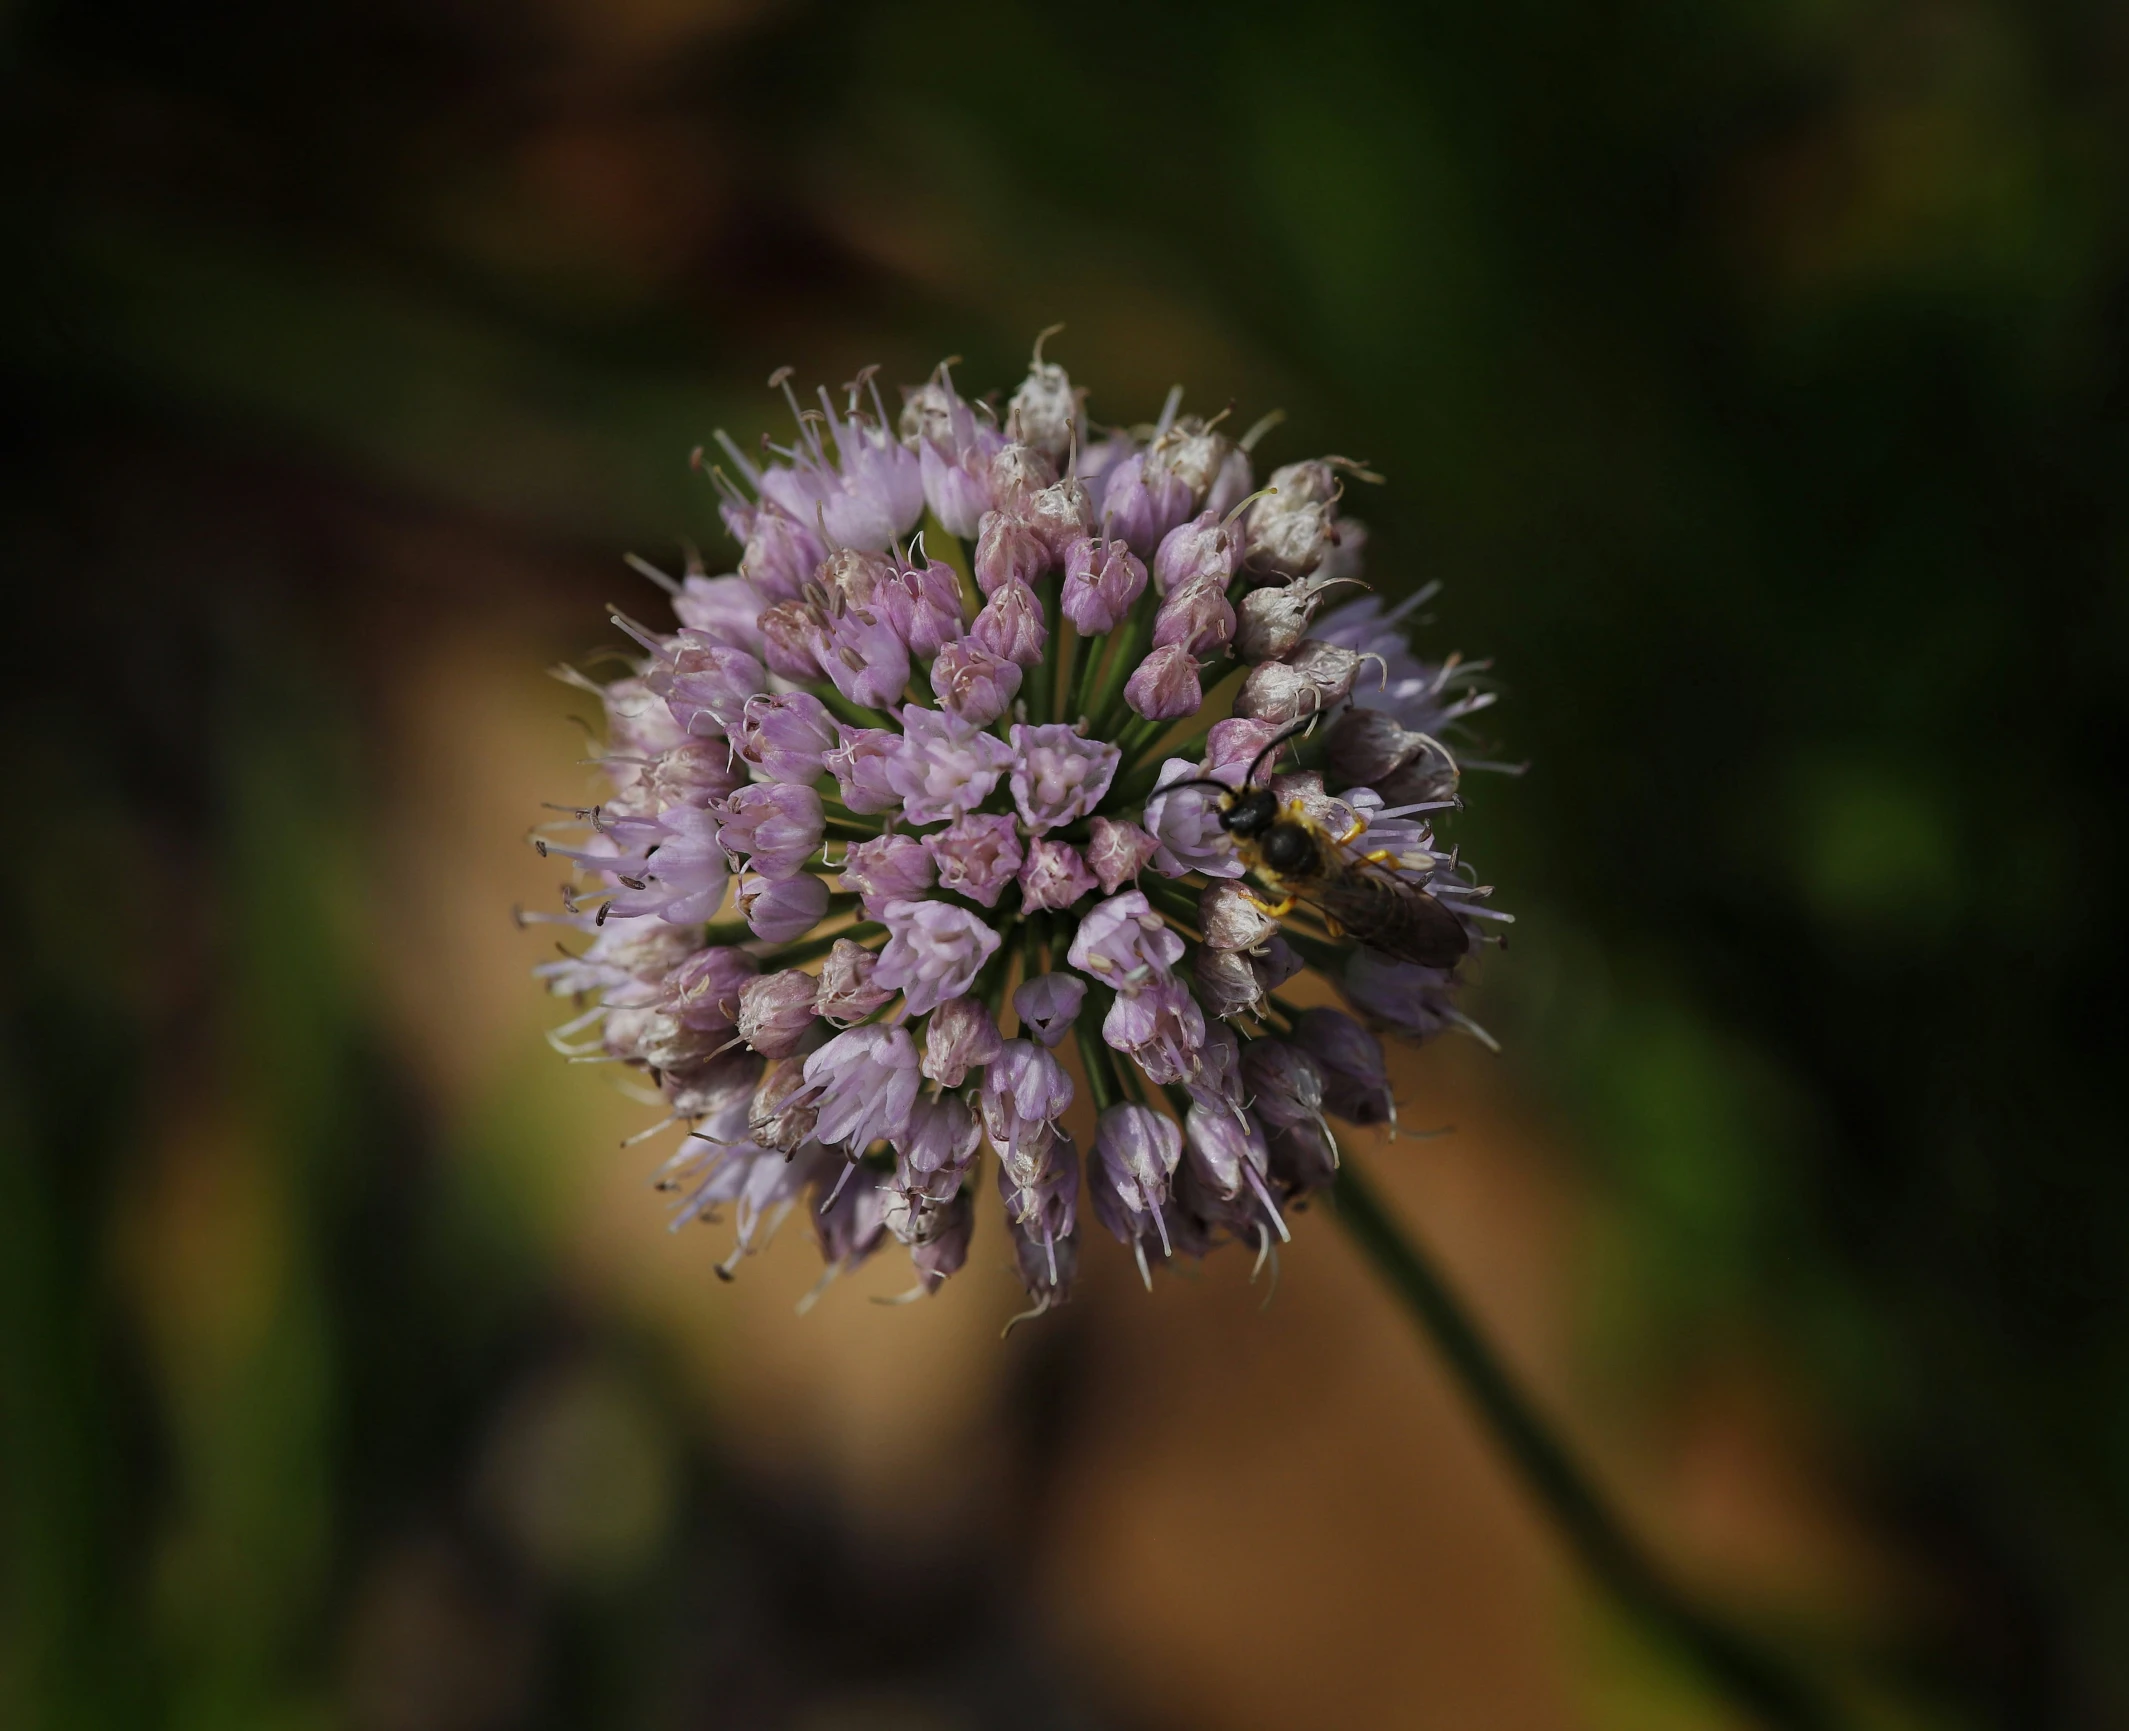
866, 815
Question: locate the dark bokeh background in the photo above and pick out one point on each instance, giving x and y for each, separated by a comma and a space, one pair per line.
1751, 373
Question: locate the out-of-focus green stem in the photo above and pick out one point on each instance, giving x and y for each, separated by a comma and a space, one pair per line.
1758, 1680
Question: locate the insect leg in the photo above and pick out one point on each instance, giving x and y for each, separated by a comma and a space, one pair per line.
1284, 907
1359, 829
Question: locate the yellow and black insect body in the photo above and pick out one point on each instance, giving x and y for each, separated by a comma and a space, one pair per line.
1358, 895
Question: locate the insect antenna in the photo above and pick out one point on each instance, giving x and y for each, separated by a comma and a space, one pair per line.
1272, 749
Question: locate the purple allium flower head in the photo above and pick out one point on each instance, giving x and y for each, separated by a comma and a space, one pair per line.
1118, 852
972, 682
864, 1082
1102, 579
703, 991
1165, 686
1049, 1004
977, 856
776, 1011
866, 1018
1124, 944
1196, 617
923, 602
1356, 1084
1053, 875
847, 991
785, 735
781, 910
934, 952
782, 553
1161, 1027
1186, 824
1059, 776
945, 766
1141, 503
1008, 551
889, 868
790, 632
860, 764
776, 826
959, 1037
1011, 624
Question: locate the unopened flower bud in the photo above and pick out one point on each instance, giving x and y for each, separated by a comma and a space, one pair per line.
1328, 667
1008, 551
1018, 473
707, 686
1272, 621
1118, 852
1285, 1083
776, 1120
785, 735
781, 554
1364, 747
923, 603
774, 825
976, 855
1044, 410
1011, 624
1140, 504
865, 656
959, 1037
776, 1012
1102, 579
1231, 918
975, 684
789, 631
849, 578
1165, 685
860, 764
1196, 617
1195, 455
937, 1147
704, 990
888, 868
1227, 982
1205, 547
1278, 694
1053, 875
942, 1249
847, 992
1061, 514
1048, 1005
1278, 963
1291, 529
1356, 1085
781, 910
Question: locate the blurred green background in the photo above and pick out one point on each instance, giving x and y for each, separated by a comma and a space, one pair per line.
1753, 376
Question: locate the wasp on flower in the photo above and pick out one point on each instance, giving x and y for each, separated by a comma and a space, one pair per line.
916, 796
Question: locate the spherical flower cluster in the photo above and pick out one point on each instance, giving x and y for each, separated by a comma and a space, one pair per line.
914, 809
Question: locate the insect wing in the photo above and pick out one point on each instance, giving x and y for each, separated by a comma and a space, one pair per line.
1388, 913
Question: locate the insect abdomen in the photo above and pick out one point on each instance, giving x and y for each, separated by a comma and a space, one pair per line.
1397, 918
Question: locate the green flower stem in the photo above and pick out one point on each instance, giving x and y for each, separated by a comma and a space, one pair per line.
1094, 1055
1755, 1678
792, 954
854, 713
1036, 689
728, 932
